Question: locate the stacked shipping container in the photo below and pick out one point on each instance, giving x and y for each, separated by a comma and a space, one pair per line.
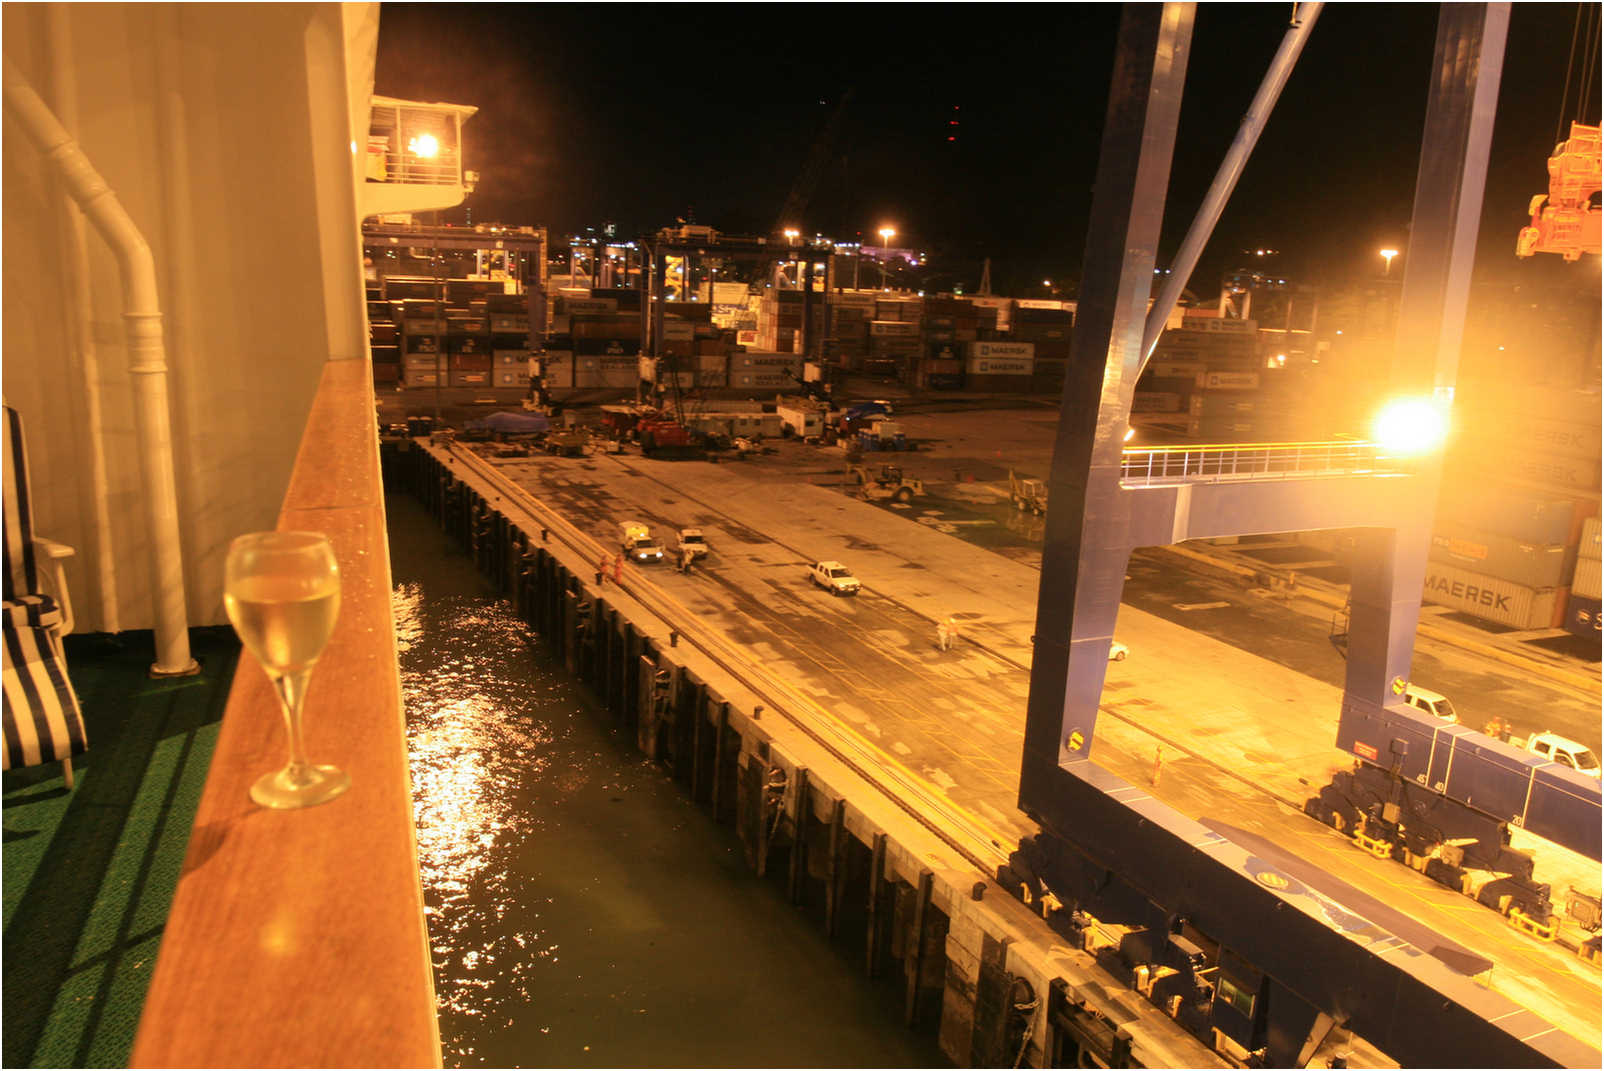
1048, 327
1524, 466
1502, 556
1582, 609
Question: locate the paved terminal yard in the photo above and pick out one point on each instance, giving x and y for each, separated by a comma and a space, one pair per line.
1232, 737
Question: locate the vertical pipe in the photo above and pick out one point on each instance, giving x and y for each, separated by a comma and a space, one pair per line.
147, 363
1247, 135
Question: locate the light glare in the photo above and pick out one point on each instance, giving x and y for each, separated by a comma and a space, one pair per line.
1411, 426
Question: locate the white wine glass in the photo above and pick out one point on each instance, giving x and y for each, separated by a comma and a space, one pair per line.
282, 592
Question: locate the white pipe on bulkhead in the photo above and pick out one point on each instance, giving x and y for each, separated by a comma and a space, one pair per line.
147, 361
81, 313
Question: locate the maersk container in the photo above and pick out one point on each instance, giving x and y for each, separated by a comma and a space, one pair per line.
557, 371
1582, 617
1491, 554
1489, 508
1503, 602
1586, 581
1571, 473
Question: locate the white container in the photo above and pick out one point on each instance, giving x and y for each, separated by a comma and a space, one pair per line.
1586, 582
1491, 599
1231, 380
804, 421
1001, 366
1589, 547
1003, 351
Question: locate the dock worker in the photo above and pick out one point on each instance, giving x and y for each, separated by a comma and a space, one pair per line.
618, 568
601, 569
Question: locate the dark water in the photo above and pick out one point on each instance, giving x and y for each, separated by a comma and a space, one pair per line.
582, 911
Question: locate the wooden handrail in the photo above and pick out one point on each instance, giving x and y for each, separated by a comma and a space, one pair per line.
297, 938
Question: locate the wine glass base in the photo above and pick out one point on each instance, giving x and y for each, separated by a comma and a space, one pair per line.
308, 787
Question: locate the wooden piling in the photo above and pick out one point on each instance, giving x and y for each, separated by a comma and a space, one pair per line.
796, 882
836, 878
914, 949
875, 935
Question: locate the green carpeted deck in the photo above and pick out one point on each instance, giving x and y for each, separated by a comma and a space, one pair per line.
89, 874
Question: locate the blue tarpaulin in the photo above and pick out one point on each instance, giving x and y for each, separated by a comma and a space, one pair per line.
511, 423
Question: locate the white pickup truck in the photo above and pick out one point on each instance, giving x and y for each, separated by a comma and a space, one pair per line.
834, 577
1565, 752
692, 542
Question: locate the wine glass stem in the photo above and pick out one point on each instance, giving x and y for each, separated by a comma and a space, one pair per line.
292, 694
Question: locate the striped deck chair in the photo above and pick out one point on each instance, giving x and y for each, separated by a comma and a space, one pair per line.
42, 719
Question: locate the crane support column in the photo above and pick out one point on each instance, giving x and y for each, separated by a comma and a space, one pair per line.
1389, 564
1086, 545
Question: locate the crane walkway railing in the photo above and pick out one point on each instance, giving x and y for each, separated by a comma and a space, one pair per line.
1150, 466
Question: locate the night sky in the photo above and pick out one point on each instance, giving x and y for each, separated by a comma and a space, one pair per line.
642, 114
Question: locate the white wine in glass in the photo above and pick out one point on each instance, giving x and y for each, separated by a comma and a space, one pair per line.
282, 592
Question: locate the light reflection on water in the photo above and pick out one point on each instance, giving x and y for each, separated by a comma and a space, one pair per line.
472, 743
581, 911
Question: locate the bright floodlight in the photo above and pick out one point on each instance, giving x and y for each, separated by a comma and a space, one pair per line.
425, 145
887, 233
1411, 426
1387, 255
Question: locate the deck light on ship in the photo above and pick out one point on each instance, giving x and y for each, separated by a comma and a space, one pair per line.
424, 145
1411, 426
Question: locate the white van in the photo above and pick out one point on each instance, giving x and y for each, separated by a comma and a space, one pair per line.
638, 545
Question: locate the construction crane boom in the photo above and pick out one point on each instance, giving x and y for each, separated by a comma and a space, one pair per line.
807, 180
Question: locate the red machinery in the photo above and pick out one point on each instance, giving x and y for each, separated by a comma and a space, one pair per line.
1568, 223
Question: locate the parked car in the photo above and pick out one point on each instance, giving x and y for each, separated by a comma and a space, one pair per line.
1431, 703
834, 577
1117, 651
1565, 751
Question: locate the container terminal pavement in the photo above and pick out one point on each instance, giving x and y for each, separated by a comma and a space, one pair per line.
940, 733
